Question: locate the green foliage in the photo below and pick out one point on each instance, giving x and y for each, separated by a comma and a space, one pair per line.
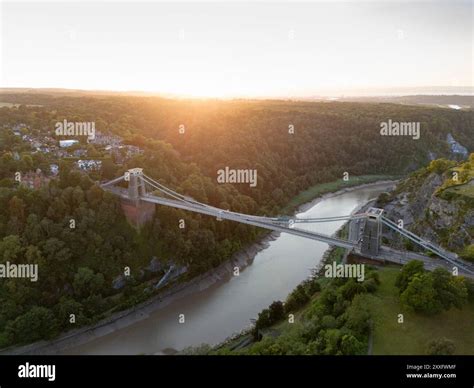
357, 317
468, 253
350, 345
86, 283
432, 292
420, 295
335, 321
440, 166
407, 273
38, 323
81, 264
297, 299
270, 316
451, 291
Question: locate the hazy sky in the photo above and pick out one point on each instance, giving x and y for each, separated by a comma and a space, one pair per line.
237, 49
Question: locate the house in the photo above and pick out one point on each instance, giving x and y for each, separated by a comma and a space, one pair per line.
79, 153
89, 165
67, 143
106, 140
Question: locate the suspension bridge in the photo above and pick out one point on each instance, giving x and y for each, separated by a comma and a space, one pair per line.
365, 229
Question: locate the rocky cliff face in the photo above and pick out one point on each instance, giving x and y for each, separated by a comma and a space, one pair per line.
448, 222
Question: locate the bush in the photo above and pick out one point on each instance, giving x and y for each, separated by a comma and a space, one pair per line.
357, 316
351, 289
270, 316
38, 323
370, 285
311, 286
297, 299
468, 253
328, 322
276, 312
350, 345
441, 347
439, 166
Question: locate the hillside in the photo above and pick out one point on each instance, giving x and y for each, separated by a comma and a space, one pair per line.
437, 203
82, 268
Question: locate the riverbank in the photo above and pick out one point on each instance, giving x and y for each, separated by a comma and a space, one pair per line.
137, 313
142, 311
307, 205
307, 198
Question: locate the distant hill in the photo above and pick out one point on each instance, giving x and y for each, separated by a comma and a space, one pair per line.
448, 101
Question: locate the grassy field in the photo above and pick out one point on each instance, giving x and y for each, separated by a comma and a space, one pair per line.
323, 188
411, 337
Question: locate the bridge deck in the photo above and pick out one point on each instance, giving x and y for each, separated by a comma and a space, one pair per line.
280, 225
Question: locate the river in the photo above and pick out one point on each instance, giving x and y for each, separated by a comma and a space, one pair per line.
225, 308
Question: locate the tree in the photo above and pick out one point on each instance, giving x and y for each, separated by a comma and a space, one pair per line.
263, 319
357, 316
451, 291
328, 322
10, 248
420, 295
276, 311
36, 324
407, 273
17, 214
351, 289
441, 347
87, 283
350, 345
332, 339
296, 299
65, 308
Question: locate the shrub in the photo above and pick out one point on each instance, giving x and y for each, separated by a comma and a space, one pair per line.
441, 346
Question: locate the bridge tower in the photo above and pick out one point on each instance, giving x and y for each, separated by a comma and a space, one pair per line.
136, 186
372, 233
136, 211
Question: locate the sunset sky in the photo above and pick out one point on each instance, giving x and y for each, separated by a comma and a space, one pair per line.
260, 49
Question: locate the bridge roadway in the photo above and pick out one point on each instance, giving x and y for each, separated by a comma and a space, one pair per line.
430, 263
223, 214
245, 219
386, 253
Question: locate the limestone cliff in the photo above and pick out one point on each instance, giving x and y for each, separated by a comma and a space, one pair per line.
434, 205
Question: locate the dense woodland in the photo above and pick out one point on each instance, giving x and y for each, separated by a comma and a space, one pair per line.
77, 266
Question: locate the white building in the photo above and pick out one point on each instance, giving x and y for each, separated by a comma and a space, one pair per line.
67, 143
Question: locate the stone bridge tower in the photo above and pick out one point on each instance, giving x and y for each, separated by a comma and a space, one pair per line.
137, 211
372, 233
